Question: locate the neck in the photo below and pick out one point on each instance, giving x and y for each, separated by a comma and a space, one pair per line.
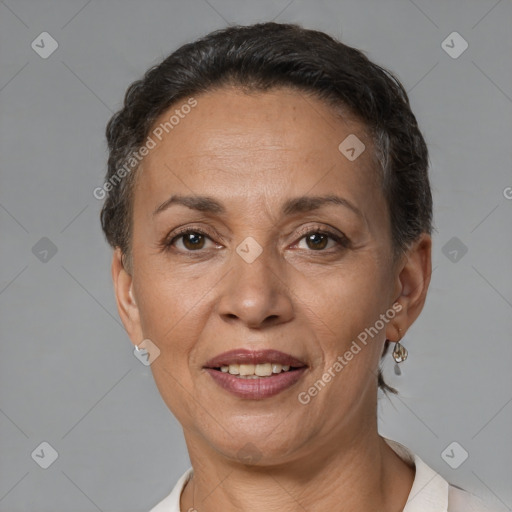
362, 473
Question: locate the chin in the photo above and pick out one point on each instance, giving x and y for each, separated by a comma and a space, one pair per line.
255, 447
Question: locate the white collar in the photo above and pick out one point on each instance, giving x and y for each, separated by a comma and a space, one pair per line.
429, 492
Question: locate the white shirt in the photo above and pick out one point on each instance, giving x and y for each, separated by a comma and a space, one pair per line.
430, 492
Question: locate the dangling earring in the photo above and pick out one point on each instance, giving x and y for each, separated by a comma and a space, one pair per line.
399, 354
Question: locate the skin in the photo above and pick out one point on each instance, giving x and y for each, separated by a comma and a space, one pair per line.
252, 152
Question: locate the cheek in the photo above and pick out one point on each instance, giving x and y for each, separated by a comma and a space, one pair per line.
348, 299
169, 313
348, 350
168, 298
350, 344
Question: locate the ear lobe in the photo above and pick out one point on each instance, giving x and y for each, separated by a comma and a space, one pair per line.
126, 304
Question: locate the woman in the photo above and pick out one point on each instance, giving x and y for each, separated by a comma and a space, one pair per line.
270, 213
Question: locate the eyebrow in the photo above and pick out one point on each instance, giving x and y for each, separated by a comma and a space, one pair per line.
291, 206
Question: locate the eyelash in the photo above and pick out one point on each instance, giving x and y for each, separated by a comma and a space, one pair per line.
167, 243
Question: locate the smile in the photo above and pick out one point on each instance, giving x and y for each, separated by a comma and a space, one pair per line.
255, 374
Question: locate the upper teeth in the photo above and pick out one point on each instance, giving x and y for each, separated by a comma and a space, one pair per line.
261, 370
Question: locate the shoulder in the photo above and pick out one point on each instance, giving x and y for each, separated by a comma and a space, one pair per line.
460, 500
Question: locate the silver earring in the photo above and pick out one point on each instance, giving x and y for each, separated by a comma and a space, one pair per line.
399, 354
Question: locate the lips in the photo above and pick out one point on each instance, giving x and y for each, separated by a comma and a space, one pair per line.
255, 387
244, 356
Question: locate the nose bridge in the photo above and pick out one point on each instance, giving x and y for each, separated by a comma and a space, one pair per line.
254, 263
255, 289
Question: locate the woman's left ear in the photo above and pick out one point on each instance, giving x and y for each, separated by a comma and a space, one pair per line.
126, 304
413, 280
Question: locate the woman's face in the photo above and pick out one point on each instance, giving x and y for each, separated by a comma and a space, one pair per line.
264, 276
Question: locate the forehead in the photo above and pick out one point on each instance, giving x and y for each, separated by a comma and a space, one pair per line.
240, 146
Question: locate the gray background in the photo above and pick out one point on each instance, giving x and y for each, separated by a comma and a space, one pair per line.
67, 372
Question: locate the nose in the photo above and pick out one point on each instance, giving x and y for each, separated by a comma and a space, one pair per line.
255, 294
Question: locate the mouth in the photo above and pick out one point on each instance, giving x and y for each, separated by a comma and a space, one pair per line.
255, 374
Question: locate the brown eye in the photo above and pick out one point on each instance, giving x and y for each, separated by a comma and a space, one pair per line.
193, 240
316, 241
